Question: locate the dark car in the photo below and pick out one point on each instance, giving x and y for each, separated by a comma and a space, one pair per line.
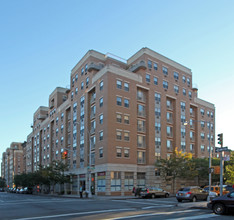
222, 204
153, 192
191, 193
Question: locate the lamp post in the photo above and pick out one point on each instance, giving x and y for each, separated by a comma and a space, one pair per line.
207, 122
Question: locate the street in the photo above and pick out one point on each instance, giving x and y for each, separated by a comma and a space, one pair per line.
20, 206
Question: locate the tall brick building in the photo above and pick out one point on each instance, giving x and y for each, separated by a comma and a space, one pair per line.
128, 113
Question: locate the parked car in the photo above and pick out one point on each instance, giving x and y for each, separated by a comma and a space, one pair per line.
153, 192
222, 204
217, 189
191, 193
2, 190
28, 190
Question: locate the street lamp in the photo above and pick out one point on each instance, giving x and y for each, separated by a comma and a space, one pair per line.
207, 122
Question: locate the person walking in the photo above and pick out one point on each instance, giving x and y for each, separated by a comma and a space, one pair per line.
81, 192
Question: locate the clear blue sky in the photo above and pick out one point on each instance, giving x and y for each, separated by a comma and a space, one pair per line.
42, 40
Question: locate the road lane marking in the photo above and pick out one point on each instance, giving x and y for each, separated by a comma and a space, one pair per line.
152, 214
156, 206
196, 217
38, 202
145, 203
77, 213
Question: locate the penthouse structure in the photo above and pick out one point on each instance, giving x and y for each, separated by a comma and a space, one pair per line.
117, 118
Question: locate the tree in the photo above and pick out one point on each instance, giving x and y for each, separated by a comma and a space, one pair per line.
179, 165
229, 170
2, 182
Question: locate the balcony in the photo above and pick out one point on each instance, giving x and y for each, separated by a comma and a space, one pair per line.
138, 66
94, 66
41, 117
140, 129
141, 145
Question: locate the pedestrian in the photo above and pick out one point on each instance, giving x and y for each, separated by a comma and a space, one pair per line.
133, 189
81, 192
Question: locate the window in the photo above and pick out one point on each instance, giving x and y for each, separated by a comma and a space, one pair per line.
182, 117
140, 125
202, 124
101, 119
101, 135
169, 131
140, 95
202, 136
157, 97
82, 85
118, 152
211, 115
182, 105
157, 126
100, 152
141, 110
118, 135
184, 92
188, 81
140, 157
165, 84
62, 128
190, 94
72, 94
155, 80
126, 103
176, 75
176, 89
76, 77
169, 117
155, 66
169, 104
118, 117
157, 141
202, 111
101, 86
169, 145
87, 81
183, 132
147, 78
157, 112
165, 71
86, 67
76, 91
57, 120
126, 135
115, 181
101, 102
149, 64
119, 84
73, 81
183, 146
191, 148
82, 71
126, 153
141, 141
126, 119
126, 86
183, 79
119, 101
208, 113
202, 148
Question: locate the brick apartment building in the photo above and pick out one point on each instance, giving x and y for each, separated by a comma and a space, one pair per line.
120, 116
13, 162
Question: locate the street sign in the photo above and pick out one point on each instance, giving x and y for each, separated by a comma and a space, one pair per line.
220, 149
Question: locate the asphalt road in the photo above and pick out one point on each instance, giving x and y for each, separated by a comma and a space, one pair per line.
22, 207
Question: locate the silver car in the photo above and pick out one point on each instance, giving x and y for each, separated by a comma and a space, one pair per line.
191, 193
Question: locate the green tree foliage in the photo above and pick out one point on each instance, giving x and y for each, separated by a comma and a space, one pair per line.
2, 182
229, 170
51, 175
179, 165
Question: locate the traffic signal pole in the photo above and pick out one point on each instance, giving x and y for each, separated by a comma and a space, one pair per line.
220, 141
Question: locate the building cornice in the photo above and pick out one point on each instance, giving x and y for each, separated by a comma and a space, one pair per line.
204, 103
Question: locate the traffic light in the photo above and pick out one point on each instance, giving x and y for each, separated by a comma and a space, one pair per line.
220, 139
64, 155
